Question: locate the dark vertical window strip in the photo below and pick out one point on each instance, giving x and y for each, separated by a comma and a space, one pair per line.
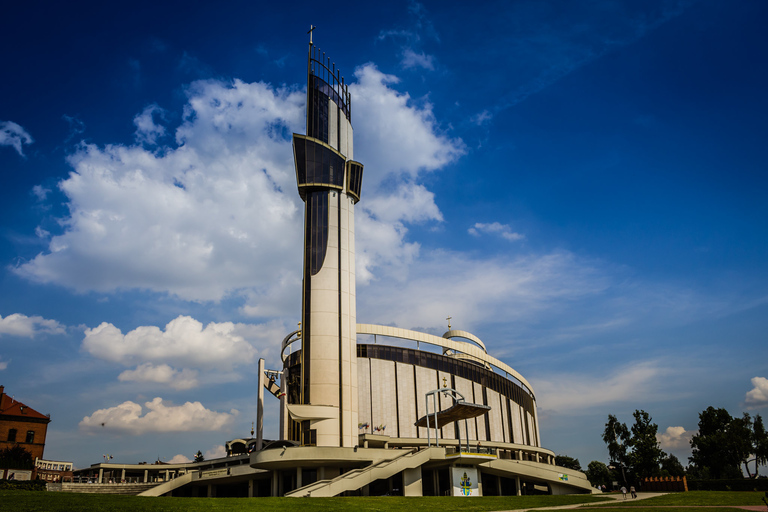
474, 401
527, 432
487, 415
338, 128
397, 402
501, 418
439, 402
509, 420
341, 359
416, 397
317, 203
306, 342
370, 392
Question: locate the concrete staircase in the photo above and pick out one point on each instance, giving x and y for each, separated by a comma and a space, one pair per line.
357, 478
124, 489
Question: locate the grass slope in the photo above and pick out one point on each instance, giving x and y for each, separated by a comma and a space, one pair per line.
700, 499
25, 501
29, 501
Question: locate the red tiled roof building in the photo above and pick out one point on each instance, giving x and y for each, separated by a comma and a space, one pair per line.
21, 425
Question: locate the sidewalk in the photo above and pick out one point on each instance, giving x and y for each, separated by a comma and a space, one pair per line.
614, 497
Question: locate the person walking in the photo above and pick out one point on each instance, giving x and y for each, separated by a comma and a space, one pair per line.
624, 491
632, 491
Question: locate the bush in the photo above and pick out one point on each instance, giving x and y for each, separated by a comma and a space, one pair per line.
742, 484
23, 485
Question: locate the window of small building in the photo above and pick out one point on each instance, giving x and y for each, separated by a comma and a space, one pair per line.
12, 435
30, 436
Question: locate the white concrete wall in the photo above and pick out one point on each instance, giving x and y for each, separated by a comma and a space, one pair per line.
426, 380
464, 387
394, 404
494, 415
406, 400
384, 400
348, 312
480, 420
516, 423
364, 394
505, 427
449, 431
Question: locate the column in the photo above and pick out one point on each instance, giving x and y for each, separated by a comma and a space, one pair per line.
260, 407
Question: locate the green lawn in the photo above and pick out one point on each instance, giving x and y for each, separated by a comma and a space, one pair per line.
30, 501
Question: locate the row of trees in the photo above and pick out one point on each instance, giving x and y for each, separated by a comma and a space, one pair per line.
723, 444
721, 447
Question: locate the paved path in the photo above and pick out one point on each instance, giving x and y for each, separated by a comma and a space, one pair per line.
613, 496
640, 496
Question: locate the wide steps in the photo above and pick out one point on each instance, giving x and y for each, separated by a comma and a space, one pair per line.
357, 478
122, 489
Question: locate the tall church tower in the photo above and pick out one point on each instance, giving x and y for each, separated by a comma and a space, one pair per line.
323, 408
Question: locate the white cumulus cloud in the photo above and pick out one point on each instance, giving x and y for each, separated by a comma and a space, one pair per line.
161, 374
398, 137
12, 134
475, 291
495, 228
412, 59
217, 214
217, 452
29, 326
147, 131
570, 392
179, 459
160, 417
3, 365
674, 437
758, 395
184, 341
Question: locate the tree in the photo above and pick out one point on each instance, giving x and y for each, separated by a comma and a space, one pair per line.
742, 437
646, 454
759, 443
672, 465
199, 456
616, 436
598, 474
16, 457
713, 446
567, 462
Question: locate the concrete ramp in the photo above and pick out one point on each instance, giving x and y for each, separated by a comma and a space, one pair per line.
560, 480
168, 486
357, 478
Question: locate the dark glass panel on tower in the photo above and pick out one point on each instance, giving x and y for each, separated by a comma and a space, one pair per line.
354, 179
320, 166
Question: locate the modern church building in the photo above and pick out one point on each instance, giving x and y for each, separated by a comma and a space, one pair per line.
370, 409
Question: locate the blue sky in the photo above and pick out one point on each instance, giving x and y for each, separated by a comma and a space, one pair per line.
580, 184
